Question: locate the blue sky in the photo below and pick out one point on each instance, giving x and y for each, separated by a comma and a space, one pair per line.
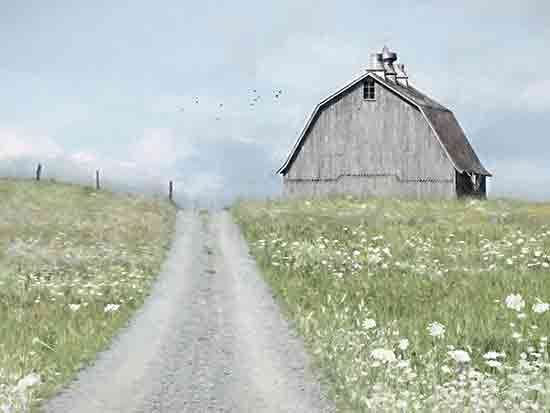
87, 85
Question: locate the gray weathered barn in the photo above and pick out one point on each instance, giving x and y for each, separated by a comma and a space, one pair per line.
380, 136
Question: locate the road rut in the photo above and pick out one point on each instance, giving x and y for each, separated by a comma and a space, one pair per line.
209, 338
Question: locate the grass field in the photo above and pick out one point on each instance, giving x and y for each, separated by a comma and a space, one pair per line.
411, 305
74, 265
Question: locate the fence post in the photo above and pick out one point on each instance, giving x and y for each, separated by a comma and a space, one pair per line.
171, 191
38, 172
97, 186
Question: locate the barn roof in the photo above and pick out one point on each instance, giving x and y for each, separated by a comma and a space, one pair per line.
441, 120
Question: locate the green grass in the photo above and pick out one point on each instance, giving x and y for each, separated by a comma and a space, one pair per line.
64, 245
337, 262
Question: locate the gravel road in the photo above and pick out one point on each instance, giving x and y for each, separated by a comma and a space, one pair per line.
210, 338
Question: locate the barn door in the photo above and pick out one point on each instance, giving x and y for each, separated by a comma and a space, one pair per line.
470, 185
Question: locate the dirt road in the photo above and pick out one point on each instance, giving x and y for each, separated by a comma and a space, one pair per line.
210, 338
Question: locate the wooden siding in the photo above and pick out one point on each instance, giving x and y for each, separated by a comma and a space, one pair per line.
381, 147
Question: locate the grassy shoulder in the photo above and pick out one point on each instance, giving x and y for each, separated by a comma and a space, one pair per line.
74, 266
410, 305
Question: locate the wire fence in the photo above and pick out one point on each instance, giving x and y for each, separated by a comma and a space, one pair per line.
213, 197
170, 185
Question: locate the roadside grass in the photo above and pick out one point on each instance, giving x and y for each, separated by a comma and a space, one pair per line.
74, 266
414, 305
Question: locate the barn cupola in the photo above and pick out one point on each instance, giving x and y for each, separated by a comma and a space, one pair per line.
401, 77
376, 65
388, 58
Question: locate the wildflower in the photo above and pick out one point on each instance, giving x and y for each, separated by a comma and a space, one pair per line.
541, 307
521, 316
74, 307
436, 329
403, 344
27, 381
493, 363
383, 355
111, 308
369, 323
493, 355
459, 356
403, 364
515, 302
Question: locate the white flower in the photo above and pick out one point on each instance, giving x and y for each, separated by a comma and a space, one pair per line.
515, 302
459, 356
493, 355
403, 344
374, 258
111, 308
493, 363
356, 253
74, 307
383, 355
541, 307
403, 364
436, 329
27, 381
369, 323
521, 316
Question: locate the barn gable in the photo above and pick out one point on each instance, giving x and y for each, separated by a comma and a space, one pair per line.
440, 119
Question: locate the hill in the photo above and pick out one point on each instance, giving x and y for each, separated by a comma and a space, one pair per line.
414, 305
74, 266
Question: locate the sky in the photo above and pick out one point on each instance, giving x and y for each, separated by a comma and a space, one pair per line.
101, 85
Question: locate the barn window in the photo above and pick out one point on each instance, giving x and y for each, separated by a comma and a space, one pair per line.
368, 89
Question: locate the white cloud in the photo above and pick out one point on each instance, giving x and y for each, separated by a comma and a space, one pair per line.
201, 185
18, 142
536, 96
85, 157
157, 148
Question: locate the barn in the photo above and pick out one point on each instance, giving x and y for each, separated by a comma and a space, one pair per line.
380, 136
